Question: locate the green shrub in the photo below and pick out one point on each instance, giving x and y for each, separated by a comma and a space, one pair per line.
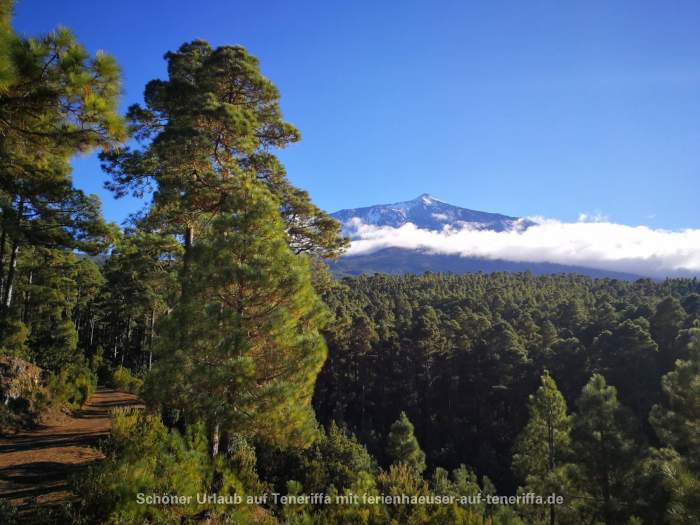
14, 336
122, 379
143, 456
71, 386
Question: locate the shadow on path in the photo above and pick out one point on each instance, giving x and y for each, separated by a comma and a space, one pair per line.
38, 463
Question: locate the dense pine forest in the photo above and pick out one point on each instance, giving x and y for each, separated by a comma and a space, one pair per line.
274, 392
471, 358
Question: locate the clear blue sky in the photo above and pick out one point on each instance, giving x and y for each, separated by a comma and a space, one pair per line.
526, 108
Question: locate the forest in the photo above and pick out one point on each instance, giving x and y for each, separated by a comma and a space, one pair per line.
435, 398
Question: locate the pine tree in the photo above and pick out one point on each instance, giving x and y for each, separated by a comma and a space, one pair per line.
7, 40
677, 424
568, 361
628, 358
603, 449
665, 323
549, 333
47, 304
242, 349
502, 358
571, 314
214, 120
337, 459
543, 444
403, 447
55, 101
691, 305
142, 279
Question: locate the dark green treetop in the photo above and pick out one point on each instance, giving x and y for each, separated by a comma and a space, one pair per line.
214, 120
402, 445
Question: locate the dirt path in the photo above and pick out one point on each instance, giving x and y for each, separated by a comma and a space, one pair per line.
38, 463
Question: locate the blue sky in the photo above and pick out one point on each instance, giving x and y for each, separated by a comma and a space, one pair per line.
525, 108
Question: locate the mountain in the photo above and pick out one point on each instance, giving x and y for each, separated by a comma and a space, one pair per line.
429, 213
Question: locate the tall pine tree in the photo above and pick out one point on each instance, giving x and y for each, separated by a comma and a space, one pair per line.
55, 101
242, 348
604, 450
677, 424
214, 120
542, 446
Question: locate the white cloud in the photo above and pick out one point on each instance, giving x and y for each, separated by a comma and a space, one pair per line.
599, 244
593, 217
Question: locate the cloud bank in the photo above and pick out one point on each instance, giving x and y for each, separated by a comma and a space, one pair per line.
599, 244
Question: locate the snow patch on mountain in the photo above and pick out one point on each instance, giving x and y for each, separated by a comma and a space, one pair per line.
426, 212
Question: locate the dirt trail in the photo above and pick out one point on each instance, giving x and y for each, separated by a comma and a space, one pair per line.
37, 463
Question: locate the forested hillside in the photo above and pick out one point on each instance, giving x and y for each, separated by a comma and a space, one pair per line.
273, 392
461, 355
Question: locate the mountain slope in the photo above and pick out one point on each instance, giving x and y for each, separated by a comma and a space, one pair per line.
399, 261
429, 213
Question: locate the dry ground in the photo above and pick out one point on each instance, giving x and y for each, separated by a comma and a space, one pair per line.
37, 463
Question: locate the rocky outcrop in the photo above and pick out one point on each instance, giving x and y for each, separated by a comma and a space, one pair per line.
19, 379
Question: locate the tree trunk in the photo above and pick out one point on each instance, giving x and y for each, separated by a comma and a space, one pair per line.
3, 241
184, 276
189, 242
552, 459
606, 498
215, 439
150, 338
27, 298
9, 288
189, 238
7, 300
127, 342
